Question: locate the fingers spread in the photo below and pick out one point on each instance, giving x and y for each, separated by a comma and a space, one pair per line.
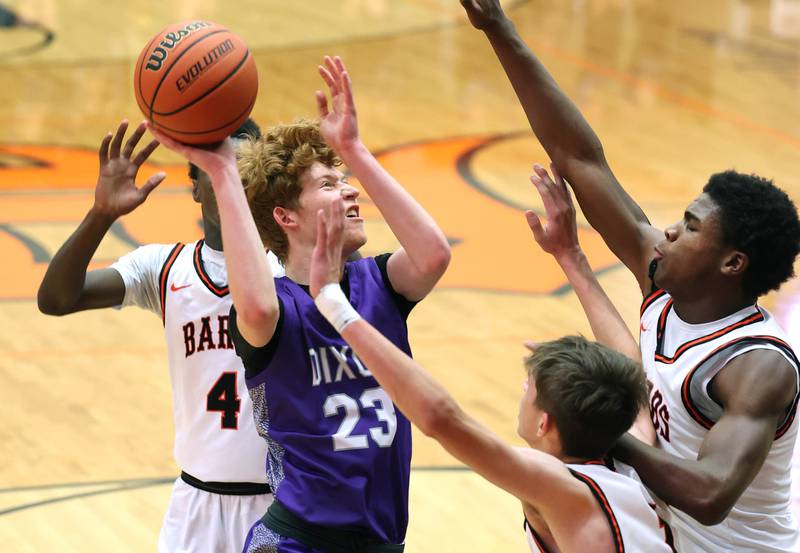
142, 156
347, 85
152, 183
327, 76
536, 225
322, 229
322, 104
104, 148
131, 143
116, 143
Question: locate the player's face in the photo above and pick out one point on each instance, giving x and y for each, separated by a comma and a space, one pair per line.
530, 415
203, 193
692, 252
320, 185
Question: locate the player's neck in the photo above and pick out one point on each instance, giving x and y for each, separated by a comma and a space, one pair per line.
705, 309
298, 266
212, 235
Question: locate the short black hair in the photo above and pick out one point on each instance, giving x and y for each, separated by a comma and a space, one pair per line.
758, 219
592, 392
249, 130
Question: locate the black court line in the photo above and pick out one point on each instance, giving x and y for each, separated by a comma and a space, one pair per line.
119, 488
134, 484
39, 253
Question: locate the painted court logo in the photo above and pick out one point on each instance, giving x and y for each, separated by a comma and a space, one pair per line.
47, 190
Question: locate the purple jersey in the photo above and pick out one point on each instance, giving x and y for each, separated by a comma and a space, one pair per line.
339, 452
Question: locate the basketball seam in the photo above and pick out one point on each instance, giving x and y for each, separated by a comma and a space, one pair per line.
249, 107
179, 56
206, 93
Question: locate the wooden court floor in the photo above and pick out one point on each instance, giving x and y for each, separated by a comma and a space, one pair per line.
676, 90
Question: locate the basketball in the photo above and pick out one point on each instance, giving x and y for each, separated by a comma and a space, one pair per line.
196, 81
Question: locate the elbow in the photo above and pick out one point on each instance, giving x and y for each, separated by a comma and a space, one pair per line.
49, 305
566, 161
438, 418
257, 313
438, 258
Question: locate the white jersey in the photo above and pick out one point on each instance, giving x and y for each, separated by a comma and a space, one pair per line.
185, 285
680, 360
627, 506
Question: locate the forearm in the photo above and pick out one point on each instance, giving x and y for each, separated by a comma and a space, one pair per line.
607, 325
249, 276
556, 121
686, 484
62, 285
420, 236
575, 151
429, 406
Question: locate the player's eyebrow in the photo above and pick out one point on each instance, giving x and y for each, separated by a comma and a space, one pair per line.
689, 216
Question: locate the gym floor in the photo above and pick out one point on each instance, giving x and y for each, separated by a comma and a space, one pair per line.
676, 90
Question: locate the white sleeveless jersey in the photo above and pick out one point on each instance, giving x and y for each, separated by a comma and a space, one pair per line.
215, 435
680, 360
627, 506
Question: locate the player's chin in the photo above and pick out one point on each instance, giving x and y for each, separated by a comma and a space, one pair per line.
661, 278
354, 237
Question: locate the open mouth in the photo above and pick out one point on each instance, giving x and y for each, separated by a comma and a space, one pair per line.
352, 212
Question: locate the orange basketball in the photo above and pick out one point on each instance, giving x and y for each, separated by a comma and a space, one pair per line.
196, 81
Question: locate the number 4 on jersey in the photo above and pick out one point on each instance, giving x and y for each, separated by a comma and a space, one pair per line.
222, 397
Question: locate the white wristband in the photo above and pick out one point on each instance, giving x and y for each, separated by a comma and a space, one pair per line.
333, 305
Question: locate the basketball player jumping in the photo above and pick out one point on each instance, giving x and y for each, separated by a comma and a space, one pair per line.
339, 452
579, 398
725, 381
222, 490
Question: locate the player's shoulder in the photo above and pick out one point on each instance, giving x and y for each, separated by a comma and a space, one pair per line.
148, 257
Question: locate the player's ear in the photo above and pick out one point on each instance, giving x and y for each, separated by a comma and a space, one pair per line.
545, 425
284, 217
195, 191
735, 264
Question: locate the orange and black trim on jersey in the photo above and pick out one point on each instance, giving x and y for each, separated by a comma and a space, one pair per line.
201, 272
619, 545
650, 300
162, 278
536, 538
706, 422
753, 318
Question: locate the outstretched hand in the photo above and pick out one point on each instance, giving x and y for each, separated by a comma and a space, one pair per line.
560, 235
326, 259
483, 13
211, 159
338, 124
116, 193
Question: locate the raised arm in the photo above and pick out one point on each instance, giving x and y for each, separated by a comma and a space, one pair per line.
66, 286
249, 275
421, 261
756, 390
559, 238
542, 481
570, 142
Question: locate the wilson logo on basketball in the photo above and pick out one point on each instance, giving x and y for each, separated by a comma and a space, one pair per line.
170, 40
216, 54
